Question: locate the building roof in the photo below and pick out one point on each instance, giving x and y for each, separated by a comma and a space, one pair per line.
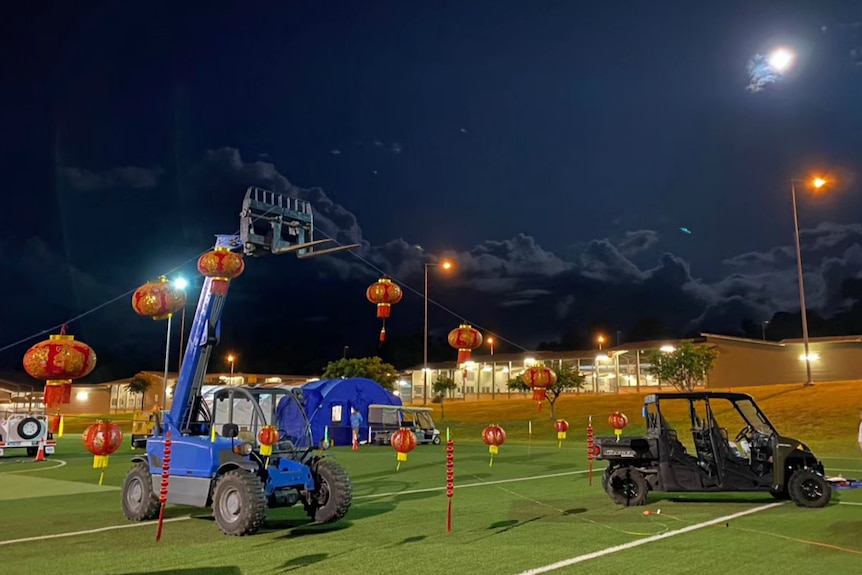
826, 339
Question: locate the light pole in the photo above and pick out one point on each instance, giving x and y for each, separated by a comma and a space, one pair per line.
230, 360
181, 283
445, 265
490, 341
601, 340
763, 325
816, 183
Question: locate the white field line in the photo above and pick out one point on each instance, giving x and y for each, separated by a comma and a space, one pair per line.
645, 540
88, 531
130, 525
59, 461
480, 484
849, 503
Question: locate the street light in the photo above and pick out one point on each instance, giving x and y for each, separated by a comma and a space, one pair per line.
601, 340
816, 183
490, 341
445, 264
230, 360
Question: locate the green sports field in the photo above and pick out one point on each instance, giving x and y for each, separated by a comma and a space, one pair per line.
532, 511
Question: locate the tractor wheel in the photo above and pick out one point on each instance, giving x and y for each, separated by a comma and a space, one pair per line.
140, 502
239, 503
628, 486
334, 494
808, 489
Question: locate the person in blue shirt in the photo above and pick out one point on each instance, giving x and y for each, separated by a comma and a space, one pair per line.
355, 422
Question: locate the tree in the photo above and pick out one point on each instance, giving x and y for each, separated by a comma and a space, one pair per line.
684, 367
568, 378
368, 367
442, 387
140, 384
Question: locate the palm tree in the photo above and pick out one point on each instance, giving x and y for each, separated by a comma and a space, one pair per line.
139, 384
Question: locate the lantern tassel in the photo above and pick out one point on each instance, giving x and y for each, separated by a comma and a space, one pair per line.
60, 430
166, 474
449, 517
382, 334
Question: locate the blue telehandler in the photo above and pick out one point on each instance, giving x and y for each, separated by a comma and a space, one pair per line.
216, 460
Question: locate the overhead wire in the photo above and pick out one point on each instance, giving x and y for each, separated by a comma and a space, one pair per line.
422, 294
188, 261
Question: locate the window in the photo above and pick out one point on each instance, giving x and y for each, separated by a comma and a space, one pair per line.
337, 414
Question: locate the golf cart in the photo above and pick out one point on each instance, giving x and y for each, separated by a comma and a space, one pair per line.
384, 420
667, 459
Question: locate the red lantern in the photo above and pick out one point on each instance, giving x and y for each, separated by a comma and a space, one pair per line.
539, 378
222, 265
267, 437
494, 436
158, 299
403, 441
384, 293
562, 426
465, 339
59, 360
618, 421
102, 439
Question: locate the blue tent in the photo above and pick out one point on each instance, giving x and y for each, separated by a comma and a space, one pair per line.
328, 403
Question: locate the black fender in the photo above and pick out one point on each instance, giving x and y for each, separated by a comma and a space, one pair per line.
231, 465
140, 459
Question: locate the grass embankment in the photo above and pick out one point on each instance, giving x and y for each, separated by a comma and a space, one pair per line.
825, 416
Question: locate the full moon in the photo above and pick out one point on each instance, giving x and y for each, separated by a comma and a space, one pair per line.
781, 59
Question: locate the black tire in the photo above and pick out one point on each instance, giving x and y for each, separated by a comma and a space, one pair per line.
436, 440
627, 486
809, 489
140, 501
239, 503
34, 451
29, 428
605, 476
334, 494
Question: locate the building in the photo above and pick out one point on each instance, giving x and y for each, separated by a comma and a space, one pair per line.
741, 362
114, 396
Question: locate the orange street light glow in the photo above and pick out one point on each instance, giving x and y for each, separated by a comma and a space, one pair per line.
446, 265
818, 183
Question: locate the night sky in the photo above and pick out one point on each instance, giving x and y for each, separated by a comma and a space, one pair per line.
615, 167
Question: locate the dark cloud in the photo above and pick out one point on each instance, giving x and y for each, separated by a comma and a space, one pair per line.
516, 287
128, 177
637, 241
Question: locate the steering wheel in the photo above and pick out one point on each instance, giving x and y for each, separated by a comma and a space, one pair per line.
746, 434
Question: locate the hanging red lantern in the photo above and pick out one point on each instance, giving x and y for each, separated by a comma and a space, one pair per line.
465, 339
403, 441
385, 294
562, 426
158, 299
494, 436
539, 378
222, 265
102, 439
618, 421
267, 437
59, 360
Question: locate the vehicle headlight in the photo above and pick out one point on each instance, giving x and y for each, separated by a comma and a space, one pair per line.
243, 448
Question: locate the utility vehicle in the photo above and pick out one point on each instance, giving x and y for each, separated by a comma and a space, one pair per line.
384, 420
668, 459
